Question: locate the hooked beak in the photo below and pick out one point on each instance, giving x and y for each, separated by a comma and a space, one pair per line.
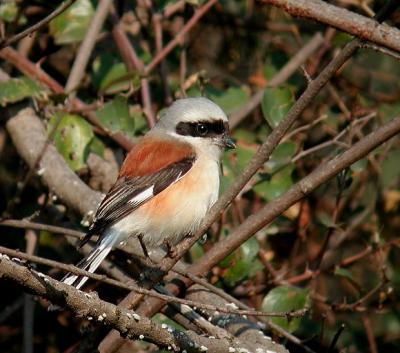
228, 142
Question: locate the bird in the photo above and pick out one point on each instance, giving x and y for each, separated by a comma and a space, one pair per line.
166, 184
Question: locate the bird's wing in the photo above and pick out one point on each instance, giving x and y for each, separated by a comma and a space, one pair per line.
129, 193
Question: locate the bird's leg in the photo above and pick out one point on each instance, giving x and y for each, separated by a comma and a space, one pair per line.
170, 251
143, 245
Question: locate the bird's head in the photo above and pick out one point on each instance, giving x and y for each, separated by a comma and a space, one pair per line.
197, 121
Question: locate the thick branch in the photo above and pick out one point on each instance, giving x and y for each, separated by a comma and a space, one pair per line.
265, 150
342, 19
29, 137
301, 189
126, 322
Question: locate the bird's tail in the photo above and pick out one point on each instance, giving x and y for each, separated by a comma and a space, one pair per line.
91, 262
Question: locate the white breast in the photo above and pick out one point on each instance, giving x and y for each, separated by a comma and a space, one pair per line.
176, 211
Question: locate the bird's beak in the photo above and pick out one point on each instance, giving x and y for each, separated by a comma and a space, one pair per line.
228, 142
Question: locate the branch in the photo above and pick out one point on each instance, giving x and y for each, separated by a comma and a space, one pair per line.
128, 323
29, 136
298, 191
131, 286
265, 151
26, 142
87, 45
34, 71
261, 156
200, 12
132, 62
15, 223
38, 25
284, 73
342, 19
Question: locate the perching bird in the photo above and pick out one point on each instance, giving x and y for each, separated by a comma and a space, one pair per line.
166, 184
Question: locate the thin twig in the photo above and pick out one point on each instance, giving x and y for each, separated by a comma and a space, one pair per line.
33, 168
133, 63
87, 45
335, 140
200, 12
29, 303
16, 223
380, 49
369, 332
35, 72
158, 34
132, 287
284, 73
38, 25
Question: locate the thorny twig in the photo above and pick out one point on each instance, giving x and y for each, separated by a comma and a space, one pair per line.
132, 287
38, 25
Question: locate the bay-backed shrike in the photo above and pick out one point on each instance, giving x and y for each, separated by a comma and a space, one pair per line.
166, 184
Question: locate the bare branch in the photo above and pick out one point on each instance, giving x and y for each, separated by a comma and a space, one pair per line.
200, 12
38, 25
133, 287
87, 45
294, 194
265, 151
35, 72
128, 323
29, 136
289, 69
342, 19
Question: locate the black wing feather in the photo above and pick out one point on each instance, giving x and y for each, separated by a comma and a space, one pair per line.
115, 206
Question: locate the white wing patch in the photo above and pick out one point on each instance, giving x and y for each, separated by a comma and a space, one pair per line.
143, 196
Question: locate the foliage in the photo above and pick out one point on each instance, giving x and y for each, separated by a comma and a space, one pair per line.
231, 54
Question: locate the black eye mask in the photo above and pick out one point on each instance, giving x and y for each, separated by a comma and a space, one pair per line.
202, 128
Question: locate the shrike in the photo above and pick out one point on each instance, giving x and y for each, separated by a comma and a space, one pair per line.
166, 184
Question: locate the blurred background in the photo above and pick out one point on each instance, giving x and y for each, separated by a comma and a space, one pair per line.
336, 252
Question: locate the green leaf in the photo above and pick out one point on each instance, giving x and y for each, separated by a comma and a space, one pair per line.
241, 264
276, 103
115, 116
72, 138
281, 156
360, 165
244, 135
195, 2
342, 272
341, 39
110, 75
243, 156
276, 185
389, 111
391, 168
269, 71
231, 99
196, 251
97, 146
17, 89
8, 11
285, 299
71, 26
249, 249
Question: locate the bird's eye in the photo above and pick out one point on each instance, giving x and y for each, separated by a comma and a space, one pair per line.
202, 129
